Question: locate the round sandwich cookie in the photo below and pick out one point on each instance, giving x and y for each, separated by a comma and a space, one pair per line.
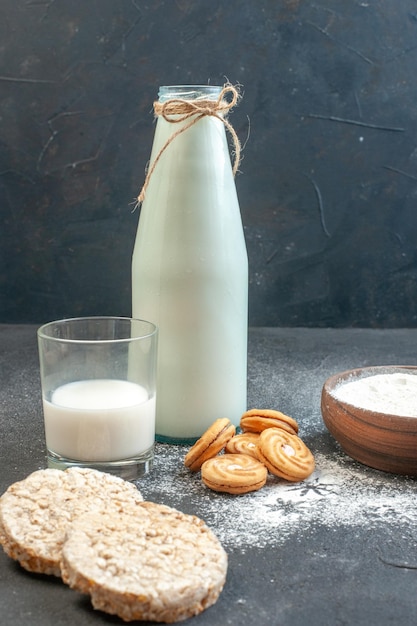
257, 420
244, 443
285, 455
234, 473
210, 443
165, 567
35, 513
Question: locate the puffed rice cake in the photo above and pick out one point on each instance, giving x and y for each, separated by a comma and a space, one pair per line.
36, 512
164, 566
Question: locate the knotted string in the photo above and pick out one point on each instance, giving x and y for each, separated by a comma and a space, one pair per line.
179, 110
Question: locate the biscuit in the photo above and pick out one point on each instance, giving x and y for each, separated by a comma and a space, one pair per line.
244, 443
210, 443
160, 565
234, 473
35, 512
257, 420
285, 455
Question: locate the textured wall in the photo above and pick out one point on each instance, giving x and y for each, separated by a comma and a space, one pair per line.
328, 182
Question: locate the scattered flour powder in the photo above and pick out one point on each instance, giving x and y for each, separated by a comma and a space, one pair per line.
340, 492
394, 393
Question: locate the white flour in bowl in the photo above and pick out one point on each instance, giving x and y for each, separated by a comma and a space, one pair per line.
394, 393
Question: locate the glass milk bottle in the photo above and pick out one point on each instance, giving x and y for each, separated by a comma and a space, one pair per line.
190, 268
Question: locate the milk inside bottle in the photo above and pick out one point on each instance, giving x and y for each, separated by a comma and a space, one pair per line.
190, 268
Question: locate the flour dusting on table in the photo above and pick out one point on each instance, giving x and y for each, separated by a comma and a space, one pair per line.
338, 493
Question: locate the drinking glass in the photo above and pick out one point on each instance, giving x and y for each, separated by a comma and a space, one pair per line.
98, 391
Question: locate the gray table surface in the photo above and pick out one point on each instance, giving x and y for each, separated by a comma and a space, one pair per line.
340, 548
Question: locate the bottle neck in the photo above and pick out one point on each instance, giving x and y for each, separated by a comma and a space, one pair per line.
189, 92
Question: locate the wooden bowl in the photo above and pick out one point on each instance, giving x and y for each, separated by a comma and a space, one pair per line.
380, 440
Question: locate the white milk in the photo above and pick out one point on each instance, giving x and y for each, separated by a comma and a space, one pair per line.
99, 420
190, 278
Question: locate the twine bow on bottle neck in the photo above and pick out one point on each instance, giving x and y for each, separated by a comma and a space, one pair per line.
178, 110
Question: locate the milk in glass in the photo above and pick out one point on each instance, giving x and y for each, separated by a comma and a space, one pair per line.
99, 420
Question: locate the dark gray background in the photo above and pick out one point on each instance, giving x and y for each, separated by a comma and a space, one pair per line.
327, 185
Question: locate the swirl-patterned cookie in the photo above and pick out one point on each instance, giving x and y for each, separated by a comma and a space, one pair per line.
244, 443
210, 443
234, 473
285, 455
257, 420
